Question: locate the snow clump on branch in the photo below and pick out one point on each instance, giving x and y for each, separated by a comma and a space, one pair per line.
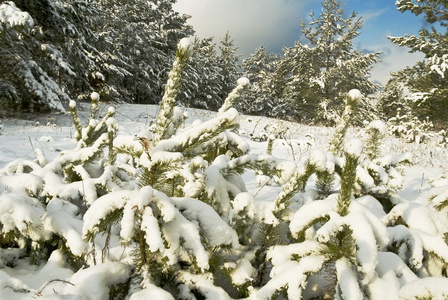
378, 125
355, 95
13, 16
185, 47
354, 147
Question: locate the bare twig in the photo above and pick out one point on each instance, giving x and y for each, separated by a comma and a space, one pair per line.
262, 187
39, 291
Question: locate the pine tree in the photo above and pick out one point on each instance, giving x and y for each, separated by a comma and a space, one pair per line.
392, 99
228, 62
66, 49
203, 83
260, 68
327, 66
137, 39
26, 73
427, 80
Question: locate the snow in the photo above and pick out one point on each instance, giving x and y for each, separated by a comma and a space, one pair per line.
347, 280
60, 218
319, 159
13, 16
378, 125
185, 46
93, 283
243, 81
355, 95
95, 96
215, 229
354, 147
184, 227
292, 275
310, 211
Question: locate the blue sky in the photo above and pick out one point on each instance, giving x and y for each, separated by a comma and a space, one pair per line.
275, 24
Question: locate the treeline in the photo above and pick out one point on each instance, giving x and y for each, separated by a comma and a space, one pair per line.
421, 91
53, 51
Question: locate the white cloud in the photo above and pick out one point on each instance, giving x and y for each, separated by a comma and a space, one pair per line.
251, 23
394, 58
372, 15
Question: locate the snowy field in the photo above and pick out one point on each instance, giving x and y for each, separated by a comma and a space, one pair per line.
52, 134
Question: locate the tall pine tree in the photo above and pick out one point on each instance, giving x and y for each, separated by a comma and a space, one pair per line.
66, 49
326, 67
228, 62
260, 68
138, 38
203, 83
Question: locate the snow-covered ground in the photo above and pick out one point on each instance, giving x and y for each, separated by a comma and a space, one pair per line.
54, 133
19, 139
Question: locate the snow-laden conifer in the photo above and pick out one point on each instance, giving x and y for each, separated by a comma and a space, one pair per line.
426, 80
352, 100
183, 53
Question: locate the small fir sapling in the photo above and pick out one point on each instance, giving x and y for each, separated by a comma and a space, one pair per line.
380, 175
351, 102
348, 233
439, 193
229, 102
326, 177
348, 175
411, 129
165, 115
56, 194
420, 243
271, 232
376, 132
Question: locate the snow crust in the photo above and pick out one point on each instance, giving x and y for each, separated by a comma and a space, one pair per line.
185, 46
243, 81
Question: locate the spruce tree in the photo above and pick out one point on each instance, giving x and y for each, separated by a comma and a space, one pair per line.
137, 39
29, 65
203, 83
228, 63
328, 65
260, 68
392, 98
66, 49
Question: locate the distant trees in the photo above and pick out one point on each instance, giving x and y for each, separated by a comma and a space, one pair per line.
228, 61
32, 70
328, 65
309, 83
53, 51
64, 50
139, 39
203, 85
427, 81
260, 68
